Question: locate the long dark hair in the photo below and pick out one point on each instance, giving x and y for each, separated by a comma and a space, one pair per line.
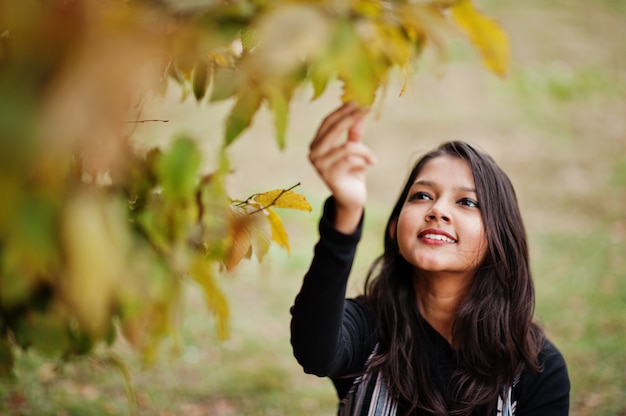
493, 327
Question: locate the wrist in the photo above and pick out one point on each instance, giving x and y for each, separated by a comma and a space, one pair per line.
347, 217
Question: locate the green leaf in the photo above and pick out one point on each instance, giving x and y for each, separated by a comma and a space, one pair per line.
173, 73
226, 83
200, 78
319, 73
280, 107
80, 341
45, 332
248, 39
241, 114
215, 209
7, 360
354, 66
177, 169
359, 76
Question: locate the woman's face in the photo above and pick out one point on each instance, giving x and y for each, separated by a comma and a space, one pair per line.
440, 227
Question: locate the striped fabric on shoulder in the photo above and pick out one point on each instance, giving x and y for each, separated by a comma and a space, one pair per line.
370, 396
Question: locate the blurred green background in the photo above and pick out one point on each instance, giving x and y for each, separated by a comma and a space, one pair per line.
557, 125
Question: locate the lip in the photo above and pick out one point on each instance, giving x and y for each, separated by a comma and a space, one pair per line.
437, 232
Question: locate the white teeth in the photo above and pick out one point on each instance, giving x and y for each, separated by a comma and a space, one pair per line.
439, 237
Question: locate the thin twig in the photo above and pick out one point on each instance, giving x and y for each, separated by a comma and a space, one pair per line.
284, 191
147, 121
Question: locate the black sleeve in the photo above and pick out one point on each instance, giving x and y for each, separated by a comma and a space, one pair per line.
546, 393
331, 336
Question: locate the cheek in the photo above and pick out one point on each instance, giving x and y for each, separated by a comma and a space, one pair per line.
403, 227
480, 244
405, 232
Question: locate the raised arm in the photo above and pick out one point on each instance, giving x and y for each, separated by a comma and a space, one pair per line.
328, 337
341, 164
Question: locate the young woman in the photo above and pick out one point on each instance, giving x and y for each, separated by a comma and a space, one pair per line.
445, 326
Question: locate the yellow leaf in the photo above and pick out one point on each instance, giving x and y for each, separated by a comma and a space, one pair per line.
279, 235
261, 233
96, 243
281, 198
250, 233
426, 24
368, 8
202, 272
240, 239
390, 42
485, 34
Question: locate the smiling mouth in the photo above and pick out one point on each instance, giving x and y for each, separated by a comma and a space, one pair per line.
438, 237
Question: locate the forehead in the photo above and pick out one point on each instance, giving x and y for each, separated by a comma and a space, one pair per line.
446, 169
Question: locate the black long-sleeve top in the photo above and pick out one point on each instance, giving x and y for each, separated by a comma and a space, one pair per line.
333, 336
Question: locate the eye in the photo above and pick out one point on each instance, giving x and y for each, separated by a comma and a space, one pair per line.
468, 202
419, 195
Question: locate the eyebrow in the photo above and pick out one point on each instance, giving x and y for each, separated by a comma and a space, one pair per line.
432, 184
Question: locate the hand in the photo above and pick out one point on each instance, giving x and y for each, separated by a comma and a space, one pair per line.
342, 165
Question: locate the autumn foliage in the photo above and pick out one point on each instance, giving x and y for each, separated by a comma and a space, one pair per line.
96, 234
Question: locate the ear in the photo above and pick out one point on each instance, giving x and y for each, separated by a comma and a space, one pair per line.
392, 228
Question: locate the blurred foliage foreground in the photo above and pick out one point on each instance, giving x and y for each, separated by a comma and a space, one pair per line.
95, 235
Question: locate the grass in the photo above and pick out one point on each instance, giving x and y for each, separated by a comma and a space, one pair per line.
556, 126
581, 302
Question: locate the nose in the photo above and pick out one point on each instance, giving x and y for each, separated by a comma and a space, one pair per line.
438, 211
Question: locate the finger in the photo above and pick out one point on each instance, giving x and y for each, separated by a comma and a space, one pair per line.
335, 117
331, 121
355, 132
328, 139
346, 165
343, 153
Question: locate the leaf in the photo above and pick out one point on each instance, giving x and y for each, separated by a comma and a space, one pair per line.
250, 234
173, 73
202, 272
215, 210
249, 39
241, 115
426, 24
7, 360
319, 73
200, 78
96, 241
279, 234
355, 67
399, 50
226, 83
261, 237
485, 34
280, 107
281, 198
45, 332
369, 8
177, 169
